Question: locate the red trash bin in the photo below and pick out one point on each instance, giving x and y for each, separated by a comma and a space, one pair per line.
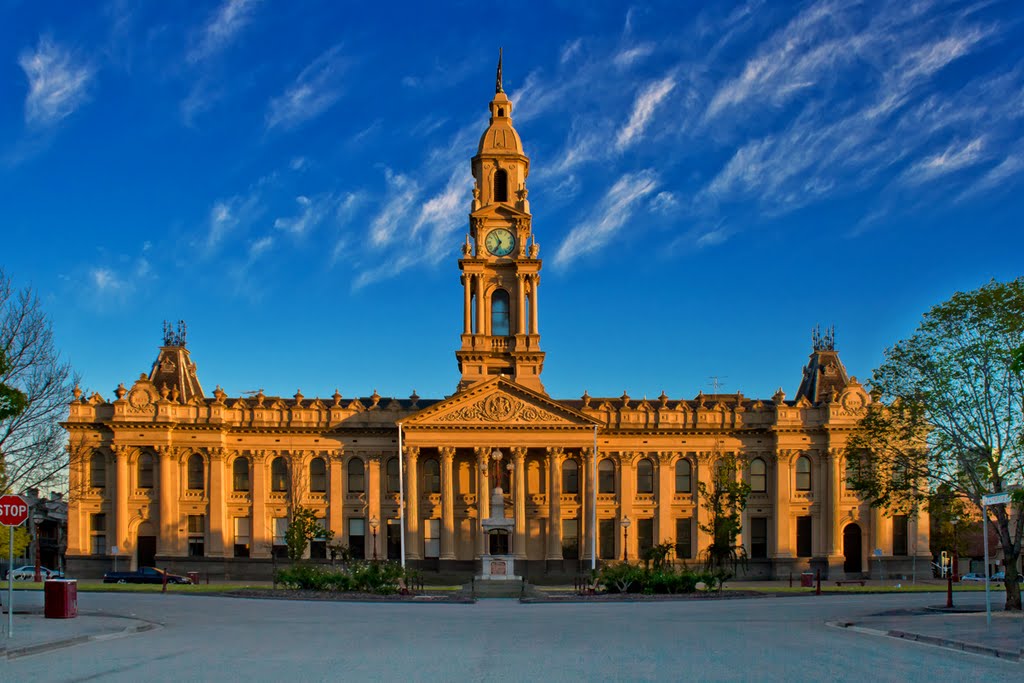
807, 580
61, 598
193, 577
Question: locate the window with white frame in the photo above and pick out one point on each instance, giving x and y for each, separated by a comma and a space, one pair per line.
242, 535
318, 475
196, 535
98, 533
280, 547
684, 476
318, 546
803, 473
758, 476
431, 538
357, 537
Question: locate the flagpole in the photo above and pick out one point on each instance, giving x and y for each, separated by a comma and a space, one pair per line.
401, 494
593, 506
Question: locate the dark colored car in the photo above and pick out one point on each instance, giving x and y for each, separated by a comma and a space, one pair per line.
144, 575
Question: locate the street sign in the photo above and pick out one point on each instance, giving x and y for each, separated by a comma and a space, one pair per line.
995, 499
878, 552
13, 510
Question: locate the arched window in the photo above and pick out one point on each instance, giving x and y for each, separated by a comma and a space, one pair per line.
803, 473
758, 476
145, 471
279, 474
431, 476
853, 464
645, 476
318, 475
570, 477
501, 185
391, 470
499, 313
684, 473
98, 471
240, 474
606, 476
356, 478
196, 479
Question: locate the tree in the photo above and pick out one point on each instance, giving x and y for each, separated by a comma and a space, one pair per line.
303, 528
35, 384
21, 541
724, 502
949, 412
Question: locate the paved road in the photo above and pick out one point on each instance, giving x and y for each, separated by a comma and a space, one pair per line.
224, 639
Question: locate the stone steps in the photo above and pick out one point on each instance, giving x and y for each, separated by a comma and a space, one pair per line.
482, 588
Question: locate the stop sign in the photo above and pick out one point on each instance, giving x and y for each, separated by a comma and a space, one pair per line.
13, 510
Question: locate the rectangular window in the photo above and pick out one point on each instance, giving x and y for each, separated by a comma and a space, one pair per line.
280, 549
570, 539
759, 538
684, 538
98, 533
431, 538
644, 535
318, 546
357, 537
242, 526
899, 535
606, 538
803, 536
196, 535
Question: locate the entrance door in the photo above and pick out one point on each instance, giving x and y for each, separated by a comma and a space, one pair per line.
394, 540
146, 548
852, 549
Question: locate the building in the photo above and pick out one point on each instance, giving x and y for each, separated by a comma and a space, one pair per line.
170, 476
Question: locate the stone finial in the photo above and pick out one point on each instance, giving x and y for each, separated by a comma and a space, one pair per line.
260, 397
337, 398
374, 399
586, 399
174, 394
413, 399
700, 399
625, 399
663, 399
120, 391
164, 391
779, 397
77, 391
298, 398
218, 395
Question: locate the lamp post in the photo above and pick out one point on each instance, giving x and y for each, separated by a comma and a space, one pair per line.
373, 527
625, 539
956, 549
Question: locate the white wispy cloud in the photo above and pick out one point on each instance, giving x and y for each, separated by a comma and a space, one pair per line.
643, 109
312, 212
58, 82
612, 213
401, 194
227, 215
999, 176
260, 246
221, 29
664, 202
570, 50
107, 281
628, 56
955, 157
314, 91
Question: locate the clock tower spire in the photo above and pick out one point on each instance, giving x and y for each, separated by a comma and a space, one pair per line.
499, 264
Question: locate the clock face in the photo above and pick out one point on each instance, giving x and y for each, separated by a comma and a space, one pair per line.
500, 242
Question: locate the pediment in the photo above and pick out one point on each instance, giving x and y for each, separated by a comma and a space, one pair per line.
499, 403
499, 210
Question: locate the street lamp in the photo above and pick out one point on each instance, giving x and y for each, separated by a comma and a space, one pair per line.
373, 527
625, 538
956, 549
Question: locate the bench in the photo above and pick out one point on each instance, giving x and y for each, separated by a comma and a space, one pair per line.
843, 583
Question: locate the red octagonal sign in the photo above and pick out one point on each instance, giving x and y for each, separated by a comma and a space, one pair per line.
13, 510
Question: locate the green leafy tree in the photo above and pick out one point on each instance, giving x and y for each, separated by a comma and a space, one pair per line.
949, 413
724, 502
21, 542
303, 528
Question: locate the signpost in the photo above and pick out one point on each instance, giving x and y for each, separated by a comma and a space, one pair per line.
986, 500
13, 512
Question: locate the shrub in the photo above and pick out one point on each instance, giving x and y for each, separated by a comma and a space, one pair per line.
627, 578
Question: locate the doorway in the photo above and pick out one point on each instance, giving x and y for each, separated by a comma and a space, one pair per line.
146, 548
852, 549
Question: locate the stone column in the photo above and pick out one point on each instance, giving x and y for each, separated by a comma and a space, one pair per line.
521, 313
665, 490
833, 498
627, 491
447, 503
554, 503
168, 492
519, 506
534, 306
78, 473
479, 303
483, 497
121, 503
373, 496
587, 489
413, 544
216, 527
783, 538
467, 323
262, 534
336, 488
704, 465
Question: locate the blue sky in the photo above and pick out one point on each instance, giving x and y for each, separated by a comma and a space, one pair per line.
708, 182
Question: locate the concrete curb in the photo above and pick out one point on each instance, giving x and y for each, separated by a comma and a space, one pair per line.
39, 648
935, 641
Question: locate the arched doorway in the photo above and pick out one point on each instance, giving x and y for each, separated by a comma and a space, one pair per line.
852, 549
145, 545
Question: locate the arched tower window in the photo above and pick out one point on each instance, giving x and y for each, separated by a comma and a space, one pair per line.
645, 476
570, 477
803, 473
501, 185
195, 472
98, 471
499, 314
317, 475
758, 476
240, 474
606, 477
279, 474
145, 471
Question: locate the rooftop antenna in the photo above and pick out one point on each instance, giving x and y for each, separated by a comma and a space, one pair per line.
716, 382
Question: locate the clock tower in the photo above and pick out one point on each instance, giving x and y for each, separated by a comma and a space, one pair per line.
499, 264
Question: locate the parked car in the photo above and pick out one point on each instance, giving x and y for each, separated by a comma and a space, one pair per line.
972, 577
144, 575
1001, 577
28, 573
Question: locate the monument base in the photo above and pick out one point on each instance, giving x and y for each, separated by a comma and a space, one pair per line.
497, 568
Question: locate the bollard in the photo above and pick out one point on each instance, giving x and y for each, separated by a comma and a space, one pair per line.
817, 576
472, 588
165, 583
791, 579
949, 591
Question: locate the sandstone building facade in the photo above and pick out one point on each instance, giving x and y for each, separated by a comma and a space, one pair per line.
171, 476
